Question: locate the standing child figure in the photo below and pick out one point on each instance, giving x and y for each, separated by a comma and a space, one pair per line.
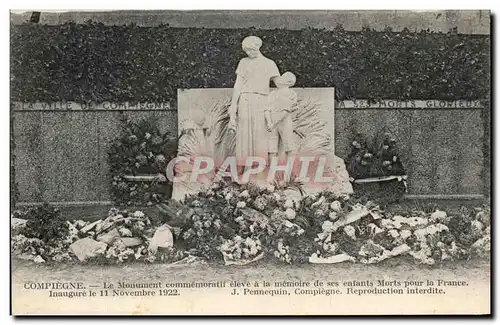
282, 102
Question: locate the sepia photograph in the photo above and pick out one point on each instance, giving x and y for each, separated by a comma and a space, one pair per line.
250, 162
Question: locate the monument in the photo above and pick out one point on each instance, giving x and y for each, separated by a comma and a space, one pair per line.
255, 133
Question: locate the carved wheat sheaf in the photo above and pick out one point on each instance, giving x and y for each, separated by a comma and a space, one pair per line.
216, 140
210, 136
205, 133
311, 137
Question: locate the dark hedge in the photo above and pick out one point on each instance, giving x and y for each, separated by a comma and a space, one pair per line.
94, 62
14, 190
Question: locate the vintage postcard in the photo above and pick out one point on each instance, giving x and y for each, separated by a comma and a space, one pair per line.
250, 162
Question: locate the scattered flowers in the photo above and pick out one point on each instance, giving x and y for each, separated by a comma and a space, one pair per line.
260, 203
290, 214
336, 206
350, 231
282, 252
142, 149
288, 204
239, 249
241, 224
328, 226
333, 216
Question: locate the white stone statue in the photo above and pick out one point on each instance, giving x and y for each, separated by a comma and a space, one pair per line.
278, 115
249, 120
249, 101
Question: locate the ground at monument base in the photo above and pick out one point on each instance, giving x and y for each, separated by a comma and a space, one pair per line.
24, 271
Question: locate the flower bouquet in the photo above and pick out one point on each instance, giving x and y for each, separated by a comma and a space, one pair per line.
377, 159
138, 160
376, 169
239, 251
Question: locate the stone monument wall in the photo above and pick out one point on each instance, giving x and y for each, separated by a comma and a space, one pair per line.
61, 154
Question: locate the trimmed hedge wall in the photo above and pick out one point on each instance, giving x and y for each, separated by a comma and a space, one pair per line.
14, 190
94, 62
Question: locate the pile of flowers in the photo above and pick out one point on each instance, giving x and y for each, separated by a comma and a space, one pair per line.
376, 159
240, 224
371, 236
221, 217
225, 222
140, 150
40, 233
36, 250
239, 251
122, 236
